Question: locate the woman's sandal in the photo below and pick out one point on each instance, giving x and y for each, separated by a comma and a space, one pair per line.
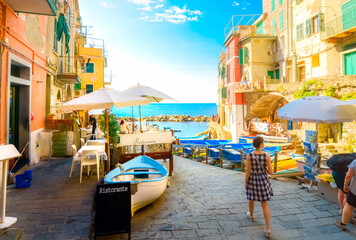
252, 219
268, 233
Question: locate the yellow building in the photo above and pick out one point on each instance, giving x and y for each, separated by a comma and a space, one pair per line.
93, 62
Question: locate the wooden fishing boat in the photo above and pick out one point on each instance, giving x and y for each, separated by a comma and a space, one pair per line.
149, 175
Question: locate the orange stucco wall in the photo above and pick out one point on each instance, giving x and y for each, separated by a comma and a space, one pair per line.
234, 71
17, 39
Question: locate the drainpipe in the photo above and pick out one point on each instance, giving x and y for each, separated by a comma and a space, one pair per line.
291, 41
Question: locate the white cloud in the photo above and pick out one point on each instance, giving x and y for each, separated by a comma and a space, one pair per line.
173, 14
104, 4
234, 4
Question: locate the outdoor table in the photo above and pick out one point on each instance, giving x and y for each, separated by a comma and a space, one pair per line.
100, 148
100, 141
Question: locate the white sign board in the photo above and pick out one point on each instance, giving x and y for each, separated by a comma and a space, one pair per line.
145, 138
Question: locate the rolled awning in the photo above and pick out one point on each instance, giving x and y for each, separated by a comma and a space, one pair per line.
62, 26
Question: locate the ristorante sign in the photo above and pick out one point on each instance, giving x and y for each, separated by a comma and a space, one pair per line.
145, 138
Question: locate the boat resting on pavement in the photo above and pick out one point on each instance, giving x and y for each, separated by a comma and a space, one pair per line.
149, 175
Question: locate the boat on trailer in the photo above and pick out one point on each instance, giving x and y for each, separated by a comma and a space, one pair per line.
150, 176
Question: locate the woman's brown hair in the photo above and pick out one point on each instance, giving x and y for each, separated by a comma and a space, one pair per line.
257, 141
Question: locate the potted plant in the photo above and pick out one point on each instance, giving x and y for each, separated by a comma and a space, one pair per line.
113, 127
50, 116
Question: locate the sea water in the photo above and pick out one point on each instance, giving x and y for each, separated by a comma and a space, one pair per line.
188, 129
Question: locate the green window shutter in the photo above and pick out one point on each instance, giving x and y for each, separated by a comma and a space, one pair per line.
55, 42
273, 5
349, 14
281, 20
280, 2
300, 34
241, 56
350, 63
259, 27
271, 74
77, 86
277, 74
224, 92
307, 28
274, 26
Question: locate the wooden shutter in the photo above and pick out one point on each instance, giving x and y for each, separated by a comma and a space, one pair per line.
241, 56
307, 28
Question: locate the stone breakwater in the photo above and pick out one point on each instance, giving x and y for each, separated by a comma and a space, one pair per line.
171, 118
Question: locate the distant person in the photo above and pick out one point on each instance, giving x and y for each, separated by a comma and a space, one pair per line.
257, 184
351, 196
123, 127
93, 123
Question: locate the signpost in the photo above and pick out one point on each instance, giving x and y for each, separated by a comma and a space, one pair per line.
7, 152
113, 209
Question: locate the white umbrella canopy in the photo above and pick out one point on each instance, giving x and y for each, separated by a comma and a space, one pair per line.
152, 94
316, 109
104, 98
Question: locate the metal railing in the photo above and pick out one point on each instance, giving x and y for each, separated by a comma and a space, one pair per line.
240, 20
69, 67
340, 24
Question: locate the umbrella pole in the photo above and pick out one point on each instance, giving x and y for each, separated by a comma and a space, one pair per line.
107, 140
133, 124
139, 109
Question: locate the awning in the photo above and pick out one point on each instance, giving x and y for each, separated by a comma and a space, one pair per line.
41, 7
62, 26
69, 78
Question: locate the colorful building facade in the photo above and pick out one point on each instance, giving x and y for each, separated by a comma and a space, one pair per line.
23, 34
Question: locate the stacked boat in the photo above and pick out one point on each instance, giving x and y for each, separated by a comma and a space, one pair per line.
150, 177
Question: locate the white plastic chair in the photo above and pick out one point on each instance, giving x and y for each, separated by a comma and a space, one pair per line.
86, 161
74, 153
82, 142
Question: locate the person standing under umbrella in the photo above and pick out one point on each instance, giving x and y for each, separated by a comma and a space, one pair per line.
93, 123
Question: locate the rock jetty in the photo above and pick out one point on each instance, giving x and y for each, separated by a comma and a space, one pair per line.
171, 118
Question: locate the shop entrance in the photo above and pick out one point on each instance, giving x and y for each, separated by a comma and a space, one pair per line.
18, 108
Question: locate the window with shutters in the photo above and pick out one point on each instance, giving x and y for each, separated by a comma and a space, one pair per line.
300, 34
349, 14
89, 68
270, 74
280, 2
274, 26
315, 25
228, 74
241, 56
273, 5
281, 21
89, 88
277, 74
307, 28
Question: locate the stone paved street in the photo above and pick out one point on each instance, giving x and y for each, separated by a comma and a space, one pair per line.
203, 202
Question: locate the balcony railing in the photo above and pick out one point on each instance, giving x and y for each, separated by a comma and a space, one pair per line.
340, 27
69, 71
240, 20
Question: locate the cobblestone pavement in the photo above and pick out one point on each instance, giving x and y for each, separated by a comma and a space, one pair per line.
55, 206
203, 202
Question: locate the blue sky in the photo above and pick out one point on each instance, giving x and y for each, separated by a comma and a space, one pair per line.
170, 45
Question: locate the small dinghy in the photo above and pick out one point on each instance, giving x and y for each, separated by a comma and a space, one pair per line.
149, 175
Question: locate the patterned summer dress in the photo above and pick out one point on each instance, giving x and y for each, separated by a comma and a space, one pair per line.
258, 185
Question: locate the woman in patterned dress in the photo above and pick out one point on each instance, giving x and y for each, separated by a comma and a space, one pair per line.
257, 184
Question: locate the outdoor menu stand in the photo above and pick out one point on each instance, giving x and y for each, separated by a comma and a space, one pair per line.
7, 152
113, 209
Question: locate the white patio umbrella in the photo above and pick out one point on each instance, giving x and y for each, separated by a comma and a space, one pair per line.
316, 109
104, 98
151, 94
